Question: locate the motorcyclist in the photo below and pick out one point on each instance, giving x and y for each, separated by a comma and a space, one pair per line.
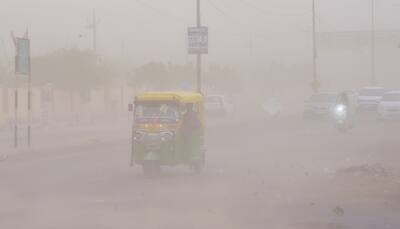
344, 104
343, 99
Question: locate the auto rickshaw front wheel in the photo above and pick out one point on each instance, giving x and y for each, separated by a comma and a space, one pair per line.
151, 169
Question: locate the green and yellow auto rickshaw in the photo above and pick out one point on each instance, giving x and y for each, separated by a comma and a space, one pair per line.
168, 130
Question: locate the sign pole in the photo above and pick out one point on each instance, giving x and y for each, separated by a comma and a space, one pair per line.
198, 64
373, 76
22, 67
198, 45
29, 106
199, 73
315, 83
16, 112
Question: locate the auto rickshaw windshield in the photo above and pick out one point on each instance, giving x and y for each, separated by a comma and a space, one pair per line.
157, 110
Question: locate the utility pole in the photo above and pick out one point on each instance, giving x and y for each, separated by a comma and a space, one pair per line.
373, 77
94, 33
29, 104
16, 112
93, 27
315, 83
198, 44
15, 94
198, 65
5, 87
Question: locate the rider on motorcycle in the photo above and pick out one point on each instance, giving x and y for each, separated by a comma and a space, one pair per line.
345, 108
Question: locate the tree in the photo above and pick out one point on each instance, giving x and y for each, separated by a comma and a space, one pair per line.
151, 75
71, 69
222, 78
158, 76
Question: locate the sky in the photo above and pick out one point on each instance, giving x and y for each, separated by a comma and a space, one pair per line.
155, 30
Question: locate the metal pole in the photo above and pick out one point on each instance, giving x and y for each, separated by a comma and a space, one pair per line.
315, 74
132, 162
5, 107
29, 106
94, 33
16, 113
198, 62
373, 77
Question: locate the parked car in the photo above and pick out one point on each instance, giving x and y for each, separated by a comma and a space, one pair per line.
369, 98
319, 105
389, 106
219, 105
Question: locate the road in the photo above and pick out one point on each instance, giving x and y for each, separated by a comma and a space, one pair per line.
284, 174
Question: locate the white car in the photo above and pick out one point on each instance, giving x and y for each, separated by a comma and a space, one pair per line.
389, 106
218, 105
369, 98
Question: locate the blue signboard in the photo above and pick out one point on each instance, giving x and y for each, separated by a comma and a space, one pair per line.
23, 57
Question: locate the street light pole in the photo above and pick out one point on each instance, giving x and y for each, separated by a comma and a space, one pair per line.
373, 77
16, 111
315, 83
198, 62
29, 105
94, 32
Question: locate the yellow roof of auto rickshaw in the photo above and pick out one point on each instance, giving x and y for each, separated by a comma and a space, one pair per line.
183, 97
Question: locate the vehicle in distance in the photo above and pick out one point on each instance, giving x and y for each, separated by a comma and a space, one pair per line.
369, 98
218, 105
272, 108
319, 105
389, 106
168, 130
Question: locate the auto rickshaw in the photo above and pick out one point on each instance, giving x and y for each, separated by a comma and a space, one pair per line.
168, 130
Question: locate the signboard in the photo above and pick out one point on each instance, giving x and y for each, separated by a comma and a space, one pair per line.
198, 40
23, 57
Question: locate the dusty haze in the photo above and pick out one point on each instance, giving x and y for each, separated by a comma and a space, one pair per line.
268, 164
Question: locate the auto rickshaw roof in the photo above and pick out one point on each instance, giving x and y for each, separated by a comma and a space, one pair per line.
183, 97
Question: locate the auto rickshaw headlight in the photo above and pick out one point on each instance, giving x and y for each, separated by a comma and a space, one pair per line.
138, 135
167, 136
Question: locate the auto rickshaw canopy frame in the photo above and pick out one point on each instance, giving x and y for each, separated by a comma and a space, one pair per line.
181, 97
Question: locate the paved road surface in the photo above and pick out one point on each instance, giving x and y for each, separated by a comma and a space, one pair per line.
280, 174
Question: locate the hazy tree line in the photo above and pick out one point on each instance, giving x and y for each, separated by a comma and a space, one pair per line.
79, 75
79, 70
